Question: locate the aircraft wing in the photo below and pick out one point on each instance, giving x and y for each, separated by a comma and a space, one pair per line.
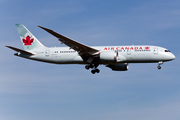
84, 51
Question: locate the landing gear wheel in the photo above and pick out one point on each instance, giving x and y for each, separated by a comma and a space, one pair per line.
159, 67
87, 67
93, 67
97, 70
93, 71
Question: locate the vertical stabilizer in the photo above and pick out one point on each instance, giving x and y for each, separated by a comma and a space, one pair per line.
29, 41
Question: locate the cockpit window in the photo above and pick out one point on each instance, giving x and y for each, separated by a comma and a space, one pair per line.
167, 51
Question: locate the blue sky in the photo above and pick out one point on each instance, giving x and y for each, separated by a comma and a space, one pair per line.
40, 91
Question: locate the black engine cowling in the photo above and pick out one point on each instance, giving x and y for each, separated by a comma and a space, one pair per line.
119, 67
109, 56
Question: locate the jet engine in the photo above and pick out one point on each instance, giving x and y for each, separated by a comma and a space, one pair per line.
109, 56
119, 67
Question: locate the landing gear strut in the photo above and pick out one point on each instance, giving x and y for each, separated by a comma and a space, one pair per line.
159, 63
93, 67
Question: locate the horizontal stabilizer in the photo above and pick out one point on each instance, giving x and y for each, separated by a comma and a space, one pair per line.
19, 50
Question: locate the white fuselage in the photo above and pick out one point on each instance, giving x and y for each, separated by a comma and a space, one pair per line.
126, 54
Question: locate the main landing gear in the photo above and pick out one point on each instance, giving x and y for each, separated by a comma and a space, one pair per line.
93, 67
159, 63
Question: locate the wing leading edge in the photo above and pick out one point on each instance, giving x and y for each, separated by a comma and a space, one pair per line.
84, 51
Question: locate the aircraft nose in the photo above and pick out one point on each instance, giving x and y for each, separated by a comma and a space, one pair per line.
169, 56
173, 57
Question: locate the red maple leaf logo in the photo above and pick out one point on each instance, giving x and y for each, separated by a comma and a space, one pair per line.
28, 40
147, 48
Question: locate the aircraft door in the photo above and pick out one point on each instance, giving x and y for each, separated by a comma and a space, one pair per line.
47, 52
155, 50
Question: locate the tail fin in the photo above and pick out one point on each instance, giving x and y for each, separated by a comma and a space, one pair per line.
29, 41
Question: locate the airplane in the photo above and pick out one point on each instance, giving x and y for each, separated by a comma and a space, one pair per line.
115, 57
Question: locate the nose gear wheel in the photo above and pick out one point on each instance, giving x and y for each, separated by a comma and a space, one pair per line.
159, 67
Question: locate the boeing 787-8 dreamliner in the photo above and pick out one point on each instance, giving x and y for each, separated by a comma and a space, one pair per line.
115, 57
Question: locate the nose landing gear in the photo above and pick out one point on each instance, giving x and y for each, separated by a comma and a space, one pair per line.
159, 63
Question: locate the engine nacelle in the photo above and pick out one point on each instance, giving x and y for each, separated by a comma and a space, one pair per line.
109, 56
119, 67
